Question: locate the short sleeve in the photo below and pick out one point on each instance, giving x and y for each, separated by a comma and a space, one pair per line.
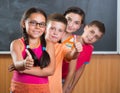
84, 56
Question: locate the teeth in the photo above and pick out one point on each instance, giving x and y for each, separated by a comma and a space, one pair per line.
36, 32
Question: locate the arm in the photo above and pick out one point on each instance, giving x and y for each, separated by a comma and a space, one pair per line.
84, 57
77, 76
16, 55
19, 63
49, 70
71, 73
73, 54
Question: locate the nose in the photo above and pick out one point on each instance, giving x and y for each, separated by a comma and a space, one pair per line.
70, 23
37, 26
92, 37
55, 32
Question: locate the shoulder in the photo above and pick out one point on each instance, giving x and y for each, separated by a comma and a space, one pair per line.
89, 47
16, 44
59, 46
62, 47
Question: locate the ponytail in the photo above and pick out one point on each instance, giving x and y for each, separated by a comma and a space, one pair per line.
45, 58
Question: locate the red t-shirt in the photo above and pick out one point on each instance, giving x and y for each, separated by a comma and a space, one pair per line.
83, 58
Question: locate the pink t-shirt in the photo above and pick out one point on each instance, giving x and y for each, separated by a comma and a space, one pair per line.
26, 78
83, 58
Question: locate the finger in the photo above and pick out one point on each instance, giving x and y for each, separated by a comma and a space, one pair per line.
79, 47
11, 69
11, 66
75, 38
28, 67
29, 64
28, 54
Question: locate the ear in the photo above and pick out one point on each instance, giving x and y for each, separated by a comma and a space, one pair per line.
23, 24
85, 28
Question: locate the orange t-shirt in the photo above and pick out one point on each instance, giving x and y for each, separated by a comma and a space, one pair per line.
55, 81
69, 42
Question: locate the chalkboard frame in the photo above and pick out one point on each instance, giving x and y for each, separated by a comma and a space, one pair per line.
118, 26
101, 52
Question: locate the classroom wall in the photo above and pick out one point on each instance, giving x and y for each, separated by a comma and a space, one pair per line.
102, 75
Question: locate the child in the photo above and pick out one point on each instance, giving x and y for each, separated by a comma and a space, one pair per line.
75, 17
92, 33
38, 59
56, 25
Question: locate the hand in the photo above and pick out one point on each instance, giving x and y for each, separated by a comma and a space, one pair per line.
11, 68
68, 90
29, 62
78, 45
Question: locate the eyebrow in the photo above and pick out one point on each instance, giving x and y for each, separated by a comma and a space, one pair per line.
75, 20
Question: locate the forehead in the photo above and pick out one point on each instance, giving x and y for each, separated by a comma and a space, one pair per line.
56, 24
37, 16
74, 16
95, 29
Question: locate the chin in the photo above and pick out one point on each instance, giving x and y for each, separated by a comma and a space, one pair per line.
55, 41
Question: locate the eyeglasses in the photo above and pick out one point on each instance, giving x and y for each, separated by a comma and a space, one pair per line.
34, 23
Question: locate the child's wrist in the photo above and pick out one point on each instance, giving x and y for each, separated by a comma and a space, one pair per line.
24, 63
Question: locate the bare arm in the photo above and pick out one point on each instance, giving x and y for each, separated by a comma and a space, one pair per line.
16, 53
70, 76
18, 61
77, 76
73, 54
49, 70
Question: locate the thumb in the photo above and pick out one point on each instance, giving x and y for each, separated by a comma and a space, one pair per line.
28, 54
75, 39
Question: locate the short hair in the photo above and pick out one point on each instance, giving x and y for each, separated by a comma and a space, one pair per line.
98, 24
57, 17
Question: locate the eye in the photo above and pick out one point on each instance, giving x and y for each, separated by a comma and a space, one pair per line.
42, 24
60, 30
33, 22
69, 19
77, 23
92, 32
97, 37
52, 28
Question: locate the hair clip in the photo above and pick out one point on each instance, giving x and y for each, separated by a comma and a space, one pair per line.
27, 46
43, 48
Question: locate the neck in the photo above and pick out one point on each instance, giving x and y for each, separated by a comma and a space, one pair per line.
34, 43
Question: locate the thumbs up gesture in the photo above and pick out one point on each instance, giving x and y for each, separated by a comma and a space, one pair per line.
77, 44
23, 64
28, 62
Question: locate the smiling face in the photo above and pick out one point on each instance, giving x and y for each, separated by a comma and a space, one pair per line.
35, 25
91, 34
55, 30
74, 22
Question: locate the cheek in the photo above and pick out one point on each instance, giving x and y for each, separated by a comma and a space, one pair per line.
77, 27
43, 29
95, 40
29, 27
47, 34
60, 35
